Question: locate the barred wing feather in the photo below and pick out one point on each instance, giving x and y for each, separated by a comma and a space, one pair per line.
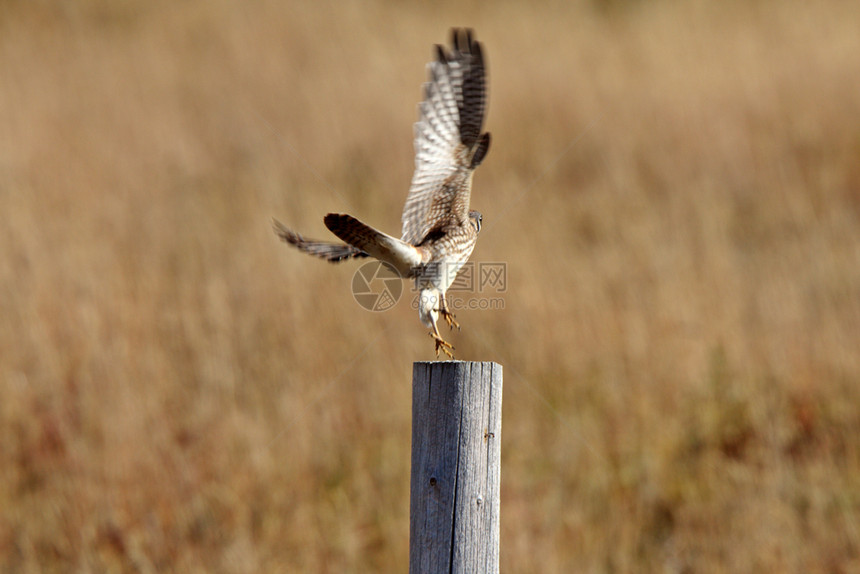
448, 139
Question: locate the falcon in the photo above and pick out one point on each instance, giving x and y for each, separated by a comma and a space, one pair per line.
439, 230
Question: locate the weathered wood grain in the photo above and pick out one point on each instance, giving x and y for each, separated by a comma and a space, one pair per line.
456, 439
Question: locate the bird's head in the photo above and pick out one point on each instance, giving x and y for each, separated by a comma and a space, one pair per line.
476, 219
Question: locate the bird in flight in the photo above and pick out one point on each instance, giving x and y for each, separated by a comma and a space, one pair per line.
439, 230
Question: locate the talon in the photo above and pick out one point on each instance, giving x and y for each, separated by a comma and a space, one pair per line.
443, 345
446, 314
449, 318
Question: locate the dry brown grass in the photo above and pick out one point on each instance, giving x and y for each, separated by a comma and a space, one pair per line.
674, 186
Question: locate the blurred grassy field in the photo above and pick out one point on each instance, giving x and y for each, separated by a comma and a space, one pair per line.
674, 187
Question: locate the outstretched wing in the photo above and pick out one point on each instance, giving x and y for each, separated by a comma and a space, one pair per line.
449, 144
403, 256
332, 252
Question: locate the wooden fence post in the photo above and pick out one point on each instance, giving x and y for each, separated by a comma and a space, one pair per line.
456, 447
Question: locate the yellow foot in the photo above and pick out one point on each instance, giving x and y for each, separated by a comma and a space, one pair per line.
449, 318
442, 345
